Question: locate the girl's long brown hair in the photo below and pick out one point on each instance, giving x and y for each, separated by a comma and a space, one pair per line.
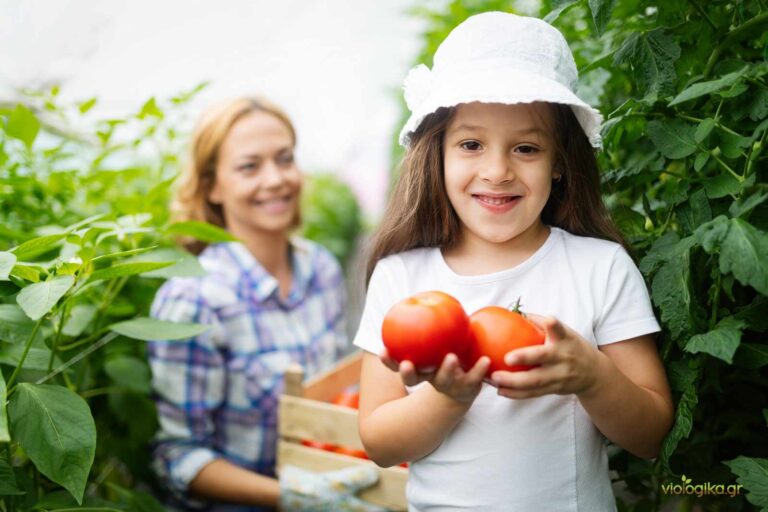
419, 213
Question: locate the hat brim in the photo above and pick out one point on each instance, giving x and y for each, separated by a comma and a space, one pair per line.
511, 89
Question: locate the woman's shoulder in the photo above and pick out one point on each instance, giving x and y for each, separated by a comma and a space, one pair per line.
316, 256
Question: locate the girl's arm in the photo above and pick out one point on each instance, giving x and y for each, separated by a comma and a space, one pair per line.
396, 426
221, 480
622, 386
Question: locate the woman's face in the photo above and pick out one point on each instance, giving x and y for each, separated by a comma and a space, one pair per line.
257, 181
498, 169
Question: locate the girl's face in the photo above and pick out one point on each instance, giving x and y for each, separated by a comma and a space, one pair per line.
498, 169
257, 181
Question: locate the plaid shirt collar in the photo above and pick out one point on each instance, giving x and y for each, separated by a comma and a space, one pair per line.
260, 284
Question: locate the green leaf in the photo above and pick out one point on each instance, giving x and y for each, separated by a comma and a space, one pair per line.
751, 356
38, 299
752, 473
15, 325
23, 125
150, 108
79, 317
5, 436
27, 272
8, 486
154, 329
701, 160
695, 212
55, 428
601, 13
742, 249
120, 254
87, 105
708, 87
129, 372
651, 57
201, 231
128, 269
183, 264
670, 291
705, 128
721, 185
7, 261
683, 423
745, 205
37, 357
39, 245
721, 342
560, 9
732, 145
675, 139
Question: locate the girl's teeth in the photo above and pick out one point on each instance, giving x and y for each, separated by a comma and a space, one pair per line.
496, 200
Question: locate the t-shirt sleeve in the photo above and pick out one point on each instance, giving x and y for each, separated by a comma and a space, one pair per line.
380, 297
626, 310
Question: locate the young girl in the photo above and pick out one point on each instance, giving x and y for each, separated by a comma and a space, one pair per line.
272, 299
499, 199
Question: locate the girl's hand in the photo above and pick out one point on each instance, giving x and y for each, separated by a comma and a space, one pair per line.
449, 379
566, 362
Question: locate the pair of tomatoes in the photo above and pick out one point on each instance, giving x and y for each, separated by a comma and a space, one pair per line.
426, 327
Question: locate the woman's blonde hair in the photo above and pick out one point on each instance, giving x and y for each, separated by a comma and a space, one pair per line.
199, 174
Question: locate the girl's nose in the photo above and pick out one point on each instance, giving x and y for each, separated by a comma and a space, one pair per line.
497, 169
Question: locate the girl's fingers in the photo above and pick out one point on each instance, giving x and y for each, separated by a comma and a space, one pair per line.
521, 381
446, 373
408, 373
478, 371
388, 361
536, 355
556, 331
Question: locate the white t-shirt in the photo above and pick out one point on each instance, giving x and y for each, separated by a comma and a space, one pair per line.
543, 453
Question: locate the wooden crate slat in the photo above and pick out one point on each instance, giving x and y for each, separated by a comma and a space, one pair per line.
302, 418
326, 386
388, 492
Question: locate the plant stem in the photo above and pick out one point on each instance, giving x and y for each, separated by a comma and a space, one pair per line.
27, 346
703, 13
725, 166
64, 314
83, 341
732, 37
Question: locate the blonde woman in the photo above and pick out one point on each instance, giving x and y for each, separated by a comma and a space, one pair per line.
271, 299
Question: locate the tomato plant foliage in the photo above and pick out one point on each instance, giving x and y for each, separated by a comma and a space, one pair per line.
683, 86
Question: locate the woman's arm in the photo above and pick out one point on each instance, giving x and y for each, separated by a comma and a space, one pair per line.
396, 426
221, 480
622, 386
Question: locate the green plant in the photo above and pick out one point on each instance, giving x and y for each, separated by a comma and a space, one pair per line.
683, 87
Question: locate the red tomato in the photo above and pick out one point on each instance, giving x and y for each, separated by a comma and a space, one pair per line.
320, 446
352, 452
497, 331
350, 397
424, 328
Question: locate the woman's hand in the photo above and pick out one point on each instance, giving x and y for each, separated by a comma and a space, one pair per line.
449, 379
567, 364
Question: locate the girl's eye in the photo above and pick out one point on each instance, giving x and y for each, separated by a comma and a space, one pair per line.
471, 145
526, 149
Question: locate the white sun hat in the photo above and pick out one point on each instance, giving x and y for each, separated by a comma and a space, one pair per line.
498, 57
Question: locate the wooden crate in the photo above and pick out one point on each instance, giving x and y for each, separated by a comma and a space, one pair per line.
305, 412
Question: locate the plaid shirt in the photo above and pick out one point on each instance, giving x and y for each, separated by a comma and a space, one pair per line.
217, 393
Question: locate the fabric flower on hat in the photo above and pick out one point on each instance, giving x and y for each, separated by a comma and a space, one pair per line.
417, 86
